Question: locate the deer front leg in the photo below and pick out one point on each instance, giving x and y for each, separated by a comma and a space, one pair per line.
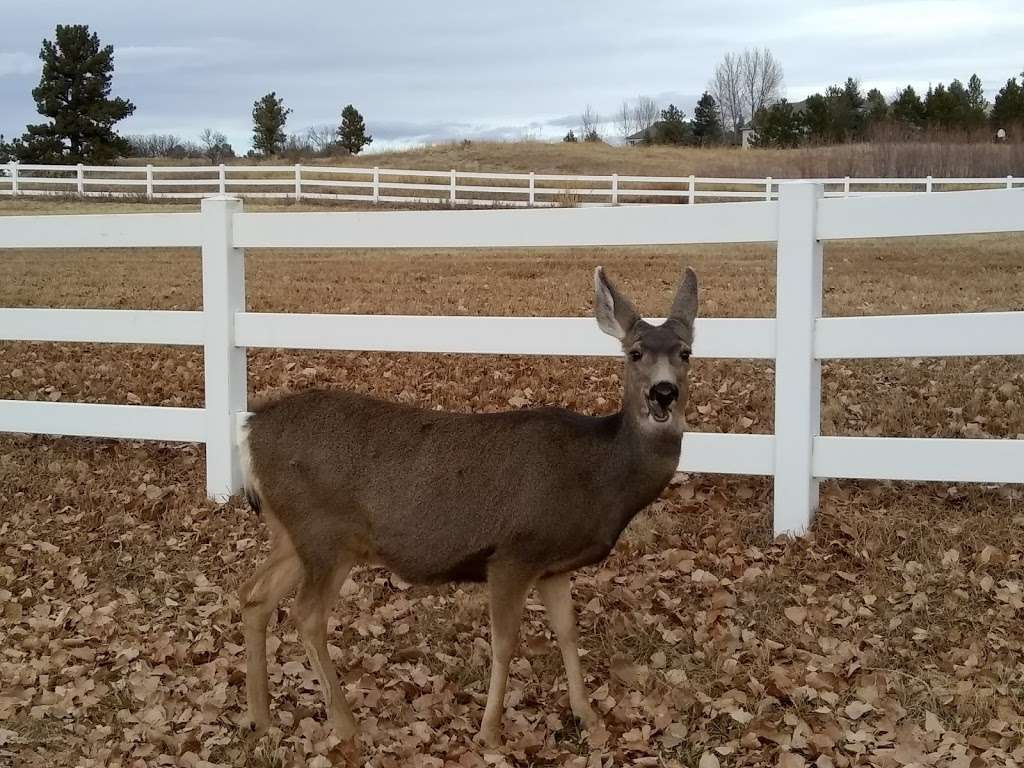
508, 588
556, 594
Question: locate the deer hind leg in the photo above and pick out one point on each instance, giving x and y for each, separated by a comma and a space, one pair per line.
556, 594
259, 597
312, 606
508, 587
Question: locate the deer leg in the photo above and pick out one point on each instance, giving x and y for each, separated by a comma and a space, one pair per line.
556, 594
508, 589
312, 606
259, 598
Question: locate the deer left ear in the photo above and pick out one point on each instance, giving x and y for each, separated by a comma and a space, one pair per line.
684, 306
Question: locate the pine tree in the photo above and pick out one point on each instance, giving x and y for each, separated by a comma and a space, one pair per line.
977, 104
778, 126
268, 118
1008, 105
907, 108
877, 108
673, 128
707, 124
352, 131
74, 93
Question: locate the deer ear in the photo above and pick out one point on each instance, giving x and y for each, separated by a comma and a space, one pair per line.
614, 312
684, 305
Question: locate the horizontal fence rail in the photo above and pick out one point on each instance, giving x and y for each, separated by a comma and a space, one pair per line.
796, 340
450, 187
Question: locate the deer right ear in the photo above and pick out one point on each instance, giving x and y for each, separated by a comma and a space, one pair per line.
614, 312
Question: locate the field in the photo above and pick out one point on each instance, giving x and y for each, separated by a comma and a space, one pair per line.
938, 158
893, 635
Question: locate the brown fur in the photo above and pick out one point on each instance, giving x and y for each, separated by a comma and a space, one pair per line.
516, 498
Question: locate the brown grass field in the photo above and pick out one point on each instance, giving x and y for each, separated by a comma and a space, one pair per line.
942, 157
892, 635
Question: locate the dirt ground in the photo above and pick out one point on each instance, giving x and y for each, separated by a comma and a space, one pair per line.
892, 635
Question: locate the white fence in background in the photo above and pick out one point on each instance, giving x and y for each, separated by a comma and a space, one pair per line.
797, 339
375, 185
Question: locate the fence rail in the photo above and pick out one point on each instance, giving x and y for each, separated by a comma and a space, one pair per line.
452, 187
797, 339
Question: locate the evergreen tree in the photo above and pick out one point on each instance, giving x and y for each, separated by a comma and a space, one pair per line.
673, 128
851, 110
352, 131
707, 124
1008, 105
570, 137
942, 107
907, 108
74, 93
977, 104
268, 118
779, 126
876, 106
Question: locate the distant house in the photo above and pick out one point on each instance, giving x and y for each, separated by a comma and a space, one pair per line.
646, 136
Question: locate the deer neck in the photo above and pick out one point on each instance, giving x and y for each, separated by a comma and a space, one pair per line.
644, 460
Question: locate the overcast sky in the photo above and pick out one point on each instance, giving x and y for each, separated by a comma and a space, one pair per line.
423, 71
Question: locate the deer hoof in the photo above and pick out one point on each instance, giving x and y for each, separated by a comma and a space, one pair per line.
490, 737
588, 718
258, 730
345, 728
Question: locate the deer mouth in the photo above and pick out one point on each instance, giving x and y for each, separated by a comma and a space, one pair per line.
660, 399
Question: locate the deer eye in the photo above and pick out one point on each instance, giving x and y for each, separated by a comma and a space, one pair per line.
685, 355
635, 355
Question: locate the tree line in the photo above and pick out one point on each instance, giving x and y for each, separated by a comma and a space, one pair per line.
745, 92
74, 95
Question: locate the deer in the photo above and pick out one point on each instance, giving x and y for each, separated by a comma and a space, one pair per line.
515, 499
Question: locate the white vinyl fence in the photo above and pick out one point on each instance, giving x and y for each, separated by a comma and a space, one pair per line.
375, 185
797, 339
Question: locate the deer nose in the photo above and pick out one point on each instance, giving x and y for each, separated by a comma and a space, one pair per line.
665, 393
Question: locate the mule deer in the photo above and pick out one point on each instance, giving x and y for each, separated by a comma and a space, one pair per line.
518, 499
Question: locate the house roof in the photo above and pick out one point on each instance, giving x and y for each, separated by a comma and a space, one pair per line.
646, 132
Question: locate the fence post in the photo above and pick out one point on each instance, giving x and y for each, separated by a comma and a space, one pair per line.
615, 189
451, 191
797, 372
149, 182
13, 169
928, 184
1009, 182
533, 189
298, 182
221, 177
80, 179
224, 363
376, 185
846, 186
768, 188
692, 188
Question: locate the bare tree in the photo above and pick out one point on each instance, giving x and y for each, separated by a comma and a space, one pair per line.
762, 79
624, 120
323, 138
590, 119
215, 146
743, 84
645, 113
727, 87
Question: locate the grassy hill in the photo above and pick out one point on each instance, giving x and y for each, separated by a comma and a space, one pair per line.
865, 160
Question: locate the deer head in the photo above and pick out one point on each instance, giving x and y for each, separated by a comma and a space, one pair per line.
657, 357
